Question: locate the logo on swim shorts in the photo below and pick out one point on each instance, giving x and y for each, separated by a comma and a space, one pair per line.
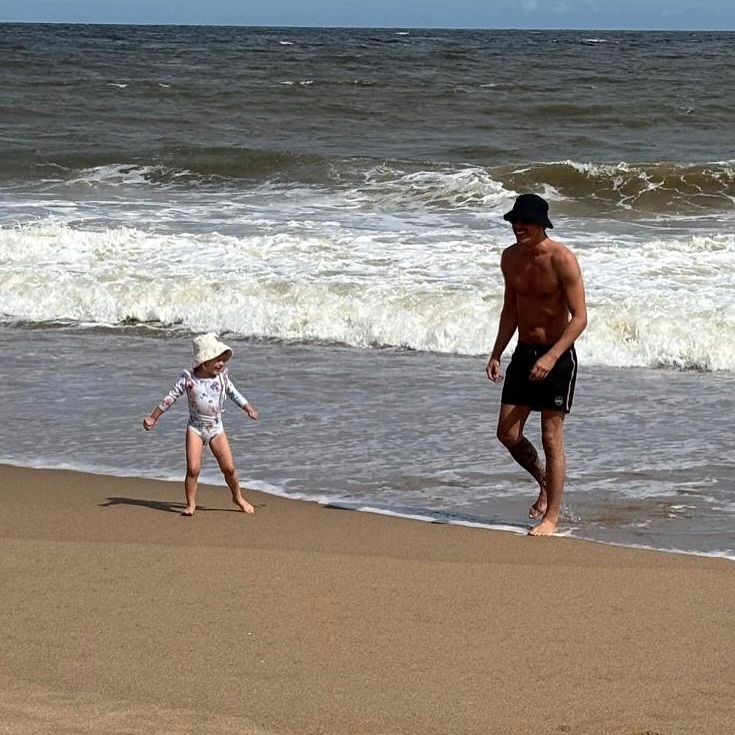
558, 400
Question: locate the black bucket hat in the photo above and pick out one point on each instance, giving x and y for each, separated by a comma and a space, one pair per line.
530, 208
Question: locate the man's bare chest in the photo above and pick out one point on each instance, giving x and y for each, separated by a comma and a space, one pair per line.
535, 279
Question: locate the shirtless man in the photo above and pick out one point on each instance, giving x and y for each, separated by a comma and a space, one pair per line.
544, 300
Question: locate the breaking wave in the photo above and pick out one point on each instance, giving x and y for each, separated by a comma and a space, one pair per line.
645, 189
652, 188
666, 303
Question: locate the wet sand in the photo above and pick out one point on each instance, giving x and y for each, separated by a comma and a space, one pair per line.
120, 616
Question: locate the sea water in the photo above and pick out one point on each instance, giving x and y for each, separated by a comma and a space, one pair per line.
330, 201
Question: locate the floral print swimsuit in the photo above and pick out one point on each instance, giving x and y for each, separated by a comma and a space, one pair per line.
206, 401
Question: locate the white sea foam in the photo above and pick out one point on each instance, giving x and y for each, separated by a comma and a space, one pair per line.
715, 554
114, 174
662, 303
471, 186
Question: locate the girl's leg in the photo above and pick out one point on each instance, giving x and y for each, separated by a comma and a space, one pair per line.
194, 446
220, 446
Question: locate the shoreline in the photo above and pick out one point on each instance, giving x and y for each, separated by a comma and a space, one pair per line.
121, 616
422, 517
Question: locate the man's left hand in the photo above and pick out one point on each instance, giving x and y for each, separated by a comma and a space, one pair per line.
542, 367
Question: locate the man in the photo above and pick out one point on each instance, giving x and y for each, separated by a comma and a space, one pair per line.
544, 300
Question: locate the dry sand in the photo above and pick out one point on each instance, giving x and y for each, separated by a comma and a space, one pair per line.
117, 615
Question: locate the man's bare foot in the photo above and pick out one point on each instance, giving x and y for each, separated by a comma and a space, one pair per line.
539, 507
545, 528
243, 504
188, 511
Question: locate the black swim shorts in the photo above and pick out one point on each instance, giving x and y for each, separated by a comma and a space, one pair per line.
554, 393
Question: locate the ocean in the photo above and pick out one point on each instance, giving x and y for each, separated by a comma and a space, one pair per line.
330, 202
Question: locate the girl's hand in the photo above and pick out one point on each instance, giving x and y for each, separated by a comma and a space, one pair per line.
148, 423
251, 411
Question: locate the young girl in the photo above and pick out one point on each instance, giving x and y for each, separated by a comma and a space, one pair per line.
205, 386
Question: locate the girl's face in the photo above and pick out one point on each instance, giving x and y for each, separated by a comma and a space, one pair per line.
216, 365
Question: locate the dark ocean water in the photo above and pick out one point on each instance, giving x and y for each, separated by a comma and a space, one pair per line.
191, 96
337, 196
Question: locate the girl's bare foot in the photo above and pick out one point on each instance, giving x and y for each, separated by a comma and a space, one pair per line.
188, 511
243, 504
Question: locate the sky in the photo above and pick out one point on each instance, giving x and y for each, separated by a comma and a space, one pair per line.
540, 14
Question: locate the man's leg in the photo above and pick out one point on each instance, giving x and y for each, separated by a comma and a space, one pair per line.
511, 421
552, 436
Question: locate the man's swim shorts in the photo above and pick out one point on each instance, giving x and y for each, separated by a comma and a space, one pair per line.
554, 393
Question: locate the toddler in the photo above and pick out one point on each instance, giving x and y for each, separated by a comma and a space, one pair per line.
206, 385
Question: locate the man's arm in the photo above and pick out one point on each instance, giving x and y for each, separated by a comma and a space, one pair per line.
507, 325
570, 278
572, 285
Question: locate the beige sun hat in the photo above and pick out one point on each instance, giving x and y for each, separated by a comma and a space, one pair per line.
207, 347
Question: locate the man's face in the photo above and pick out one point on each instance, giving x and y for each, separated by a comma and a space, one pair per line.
527, 232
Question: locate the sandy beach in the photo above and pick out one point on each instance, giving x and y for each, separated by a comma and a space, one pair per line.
120, 616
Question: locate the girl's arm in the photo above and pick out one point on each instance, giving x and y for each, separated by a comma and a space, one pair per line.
169, 399
240, 399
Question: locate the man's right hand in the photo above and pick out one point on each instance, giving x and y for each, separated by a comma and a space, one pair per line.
493, 370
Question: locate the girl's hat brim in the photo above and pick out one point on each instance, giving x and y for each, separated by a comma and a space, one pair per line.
207, 347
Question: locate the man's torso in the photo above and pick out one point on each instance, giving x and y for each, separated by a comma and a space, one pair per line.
541, 304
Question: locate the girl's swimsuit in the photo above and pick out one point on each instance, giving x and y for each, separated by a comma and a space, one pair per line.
206, 400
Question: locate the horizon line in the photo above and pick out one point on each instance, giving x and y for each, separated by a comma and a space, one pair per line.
362, 27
